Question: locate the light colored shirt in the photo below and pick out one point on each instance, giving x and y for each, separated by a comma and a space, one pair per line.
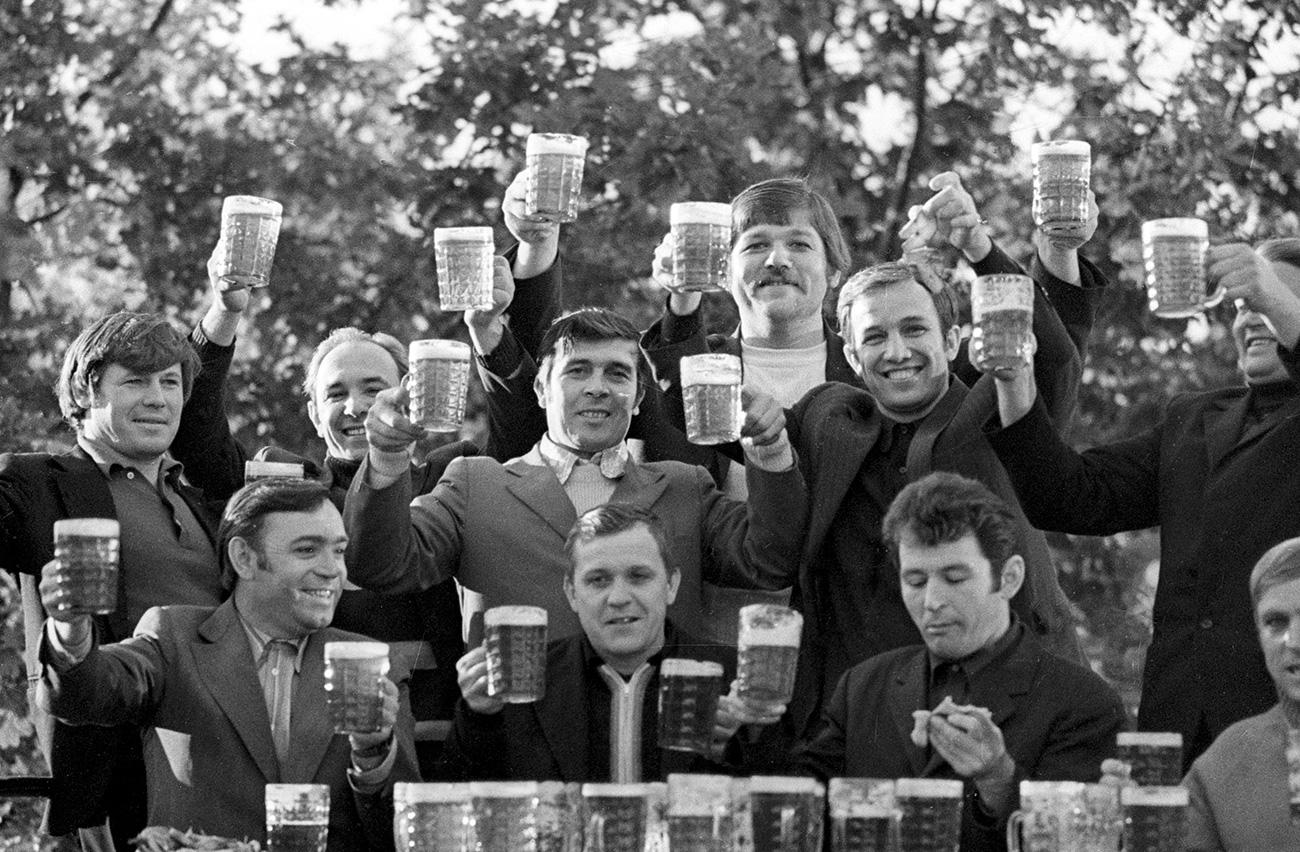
587, 482
785, 374
626, 699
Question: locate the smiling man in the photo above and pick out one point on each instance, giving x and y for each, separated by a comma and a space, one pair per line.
499, 529
982, 700
1217, 474
123, 384
232, 698
599, 717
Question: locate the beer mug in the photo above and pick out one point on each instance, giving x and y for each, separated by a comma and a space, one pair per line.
353, 671
701, 245
1062, 170
558, 817
255, 470
1173, 252
786, 813
864, 815
554, 179
688, 704
700, 813
297, 817
505, 815
86, 557
431, 817
463, 257
1154, 758
767, 654
515, 638
439, 383
711, 396
616, 817
250, 228
1002, 312
1155, 818
1064, 816
930, 814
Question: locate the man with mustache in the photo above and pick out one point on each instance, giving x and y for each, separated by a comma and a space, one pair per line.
1217, 474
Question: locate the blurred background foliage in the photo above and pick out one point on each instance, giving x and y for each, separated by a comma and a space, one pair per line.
123, 123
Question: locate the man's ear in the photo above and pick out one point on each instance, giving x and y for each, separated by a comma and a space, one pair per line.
1013, 576
243, 558
314, 416
952, 342
539, 383
570, 593
851, 355
674, 581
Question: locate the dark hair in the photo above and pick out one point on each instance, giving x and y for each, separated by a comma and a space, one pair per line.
141, 343
1281, 564
245, 514
613, 518
349, 334
883, 275
592, 325
1282, 250
775, 201
943, 507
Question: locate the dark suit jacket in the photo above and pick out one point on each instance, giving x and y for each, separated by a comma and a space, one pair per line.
833, 429
549, 740
37, 489
1221, 501
188, 677
1058, 721
500, 530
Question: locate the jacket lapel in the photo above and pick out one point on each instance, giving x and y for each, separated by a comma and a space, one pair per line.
847, 440
1223, 426
84, 491
920, 454
564, 723
639, 485
224, 661
907, 693
310, 730
541, 492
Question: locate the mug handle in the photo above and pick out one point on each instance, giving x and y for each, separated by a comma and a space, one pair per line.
1016, 820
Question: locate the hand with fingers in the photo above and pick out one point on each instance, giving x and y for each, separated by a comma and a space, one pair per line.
472, 678
680, 302
948, 218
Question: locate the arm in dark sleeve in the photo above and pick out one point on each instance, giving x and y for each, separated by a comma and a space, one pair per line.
754, 544
396, 546
375, 806
1075, 304
823, 753
515, 419
1083, 735
670, 339
475, 748
1098, 492
213, 459
536, 303
115, 684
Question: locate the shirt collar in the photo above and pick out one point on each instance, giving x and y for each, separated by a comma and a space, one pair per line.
612, 461
260, 642
976, 662
170, 469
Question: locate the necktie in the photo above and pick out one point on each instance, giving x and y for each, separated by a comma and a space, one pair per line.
279, 657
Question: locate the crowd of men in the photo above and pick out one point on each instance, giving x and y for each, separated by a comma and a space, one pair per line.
883, 487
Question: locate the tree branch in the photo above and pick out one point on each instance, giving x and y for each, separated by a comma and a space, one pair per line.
131, 55
887, 243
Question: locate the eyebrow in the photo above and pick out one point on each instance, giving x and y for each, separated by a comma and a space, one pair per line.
318, 539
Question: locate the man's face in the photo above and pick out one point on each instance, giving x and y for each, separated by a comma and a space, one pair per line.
1257, 356
346, 384
134, 414
621, 590
294, 589
1278, 619
948, 591
780, 271
895, 343
590, 394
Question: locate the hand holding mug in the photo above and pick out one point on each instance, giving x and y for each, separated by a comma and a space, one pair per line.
472, 678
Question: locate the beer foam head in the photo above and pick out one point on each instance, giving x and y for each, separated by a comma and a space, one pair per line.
700, 213
627, 791
355, 650
698, 795
1060, 148
504, 789
409, 793
523, 616
1002, 292
770, 624
1179, 227
462, 235
676, 666
555, 143
712, 369
235, 205
1160, 739
441, 350
861, 797
292, 794
263, 469
785, 784
96, 527
928, 788
1159, 797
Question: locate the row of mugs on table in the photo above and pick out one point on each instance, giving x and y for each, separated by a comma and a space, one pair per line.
718, 813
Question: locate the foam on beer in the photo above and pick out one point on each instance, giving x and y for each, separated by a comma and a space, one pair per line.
355, 650
504, 789
439, 350
712, 369
524, 616
89, 527
1060, 148
787, 784
698, 795
1164, 797
236, 205
267, 469
690, 668
928, 788
1160, 739
414, 793
700, 213
861, 798
555, 143
621, 790
766, 624
462, 235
